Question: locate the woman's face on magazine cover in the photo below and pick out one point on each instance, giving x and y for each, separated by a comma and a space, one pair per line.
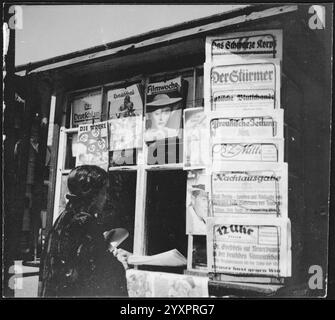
160, 117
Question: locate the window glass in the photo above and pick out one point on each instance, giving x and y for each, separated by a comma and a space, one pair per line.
199, 252
165, 212
120, 207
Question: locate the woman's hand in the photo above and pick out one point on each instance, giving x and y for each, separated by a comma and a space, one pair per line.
122, 256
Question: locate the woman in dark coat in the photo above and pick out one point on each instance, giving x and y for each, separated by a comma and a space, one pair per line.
76, 260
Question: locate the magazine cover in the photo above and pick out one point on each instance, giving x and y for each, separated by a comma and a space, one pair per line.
86, 109
195, 139
125, 133
164, 110
125, 107
92, 145
197, 202
125, 102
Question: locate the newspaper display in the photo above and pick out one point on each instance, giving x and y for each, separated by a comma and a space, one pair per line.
249, 246
244, 85
92, 147
251, 124
258, 44
165, 285
164, 110
197, 201
250, 189
195, 139
247, 150
248, 230
86, 109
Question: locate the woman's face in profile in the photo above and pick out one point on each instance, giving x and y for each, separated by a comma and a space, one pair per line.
160, 117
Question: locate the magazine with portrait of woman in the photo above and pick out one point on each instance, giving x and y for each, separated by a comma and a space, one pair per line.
164, 106
165, 101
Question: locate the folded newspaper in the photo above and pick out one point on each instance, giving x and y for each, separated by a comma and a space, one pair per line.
172, 258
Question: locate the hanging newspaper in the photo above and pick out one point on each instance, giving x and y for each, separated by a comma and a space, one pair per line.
164, 110
252, 85
249, 246
251, 124
250, 189
197, 201
125, 107
160, 284
86, 109
92, 145
195, 139
246, 150
245, 45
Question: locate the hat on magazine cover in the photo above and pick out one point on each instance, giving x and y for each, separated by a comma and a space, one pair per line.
198, 189
163, 100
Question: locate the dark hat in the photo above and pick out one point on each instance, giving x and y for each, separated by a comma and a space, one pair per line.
86, 181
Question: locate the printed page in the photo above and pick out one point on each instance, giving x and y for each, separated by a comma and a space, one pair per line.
263, 44
251, 124
247, 150
92, 147
197, 201
253, 84
86, 109
250, 189
249, 246
172, 258
196, 137
164, 106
